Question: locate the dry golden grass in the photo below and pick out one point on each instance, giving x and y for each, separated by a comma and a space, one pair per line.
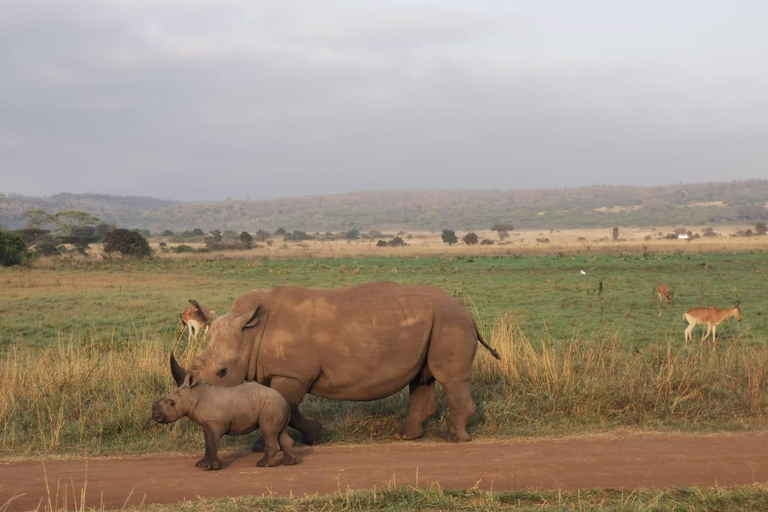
94, 397
520, 242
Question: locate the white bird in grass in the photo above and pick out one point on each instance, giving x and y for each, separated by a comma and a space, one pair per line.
583, 273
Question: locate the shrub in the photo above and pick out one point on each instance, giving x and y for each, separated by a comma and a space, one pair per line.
396, 242
381, 243
13, 250
127, 243
470, 239
183, 248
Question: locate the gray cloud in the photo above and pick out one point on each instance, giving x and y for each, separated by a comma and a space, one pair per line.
206, 100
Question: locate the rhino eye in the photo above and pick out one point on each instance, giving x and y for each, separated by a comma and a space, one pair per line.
172, 403
221, 373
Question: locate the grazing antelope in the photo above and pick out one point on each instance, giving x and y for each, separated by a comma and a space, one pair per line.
663, 293
193, 320
710, 316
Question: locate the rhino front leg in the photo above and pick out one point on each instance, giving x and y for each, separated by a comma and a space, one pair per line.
294, 392
211, 459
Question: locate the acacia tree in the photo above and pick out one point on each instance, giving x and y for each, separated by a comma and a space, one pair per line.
502, 230
470, 239
76, 228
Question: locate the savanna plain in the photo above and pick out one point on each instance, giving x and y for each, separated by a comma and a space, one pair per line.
586, 347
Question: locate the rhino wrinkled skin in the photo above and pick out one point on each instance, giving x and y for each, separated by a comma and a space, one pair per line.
233, 411
362, 342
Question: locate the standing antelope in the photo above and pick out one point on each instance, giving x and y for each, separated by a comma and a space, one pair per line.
663, 293
193, 320
710, 316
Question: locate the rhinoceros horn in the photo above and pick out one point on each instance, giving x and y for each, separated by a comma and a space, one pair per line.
178, 371
208, 314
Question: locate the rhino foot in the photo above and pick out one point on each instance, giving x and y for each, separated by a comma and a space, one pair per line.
208, 464
312, 433
290, 461
451, 437
264, 463
404, 435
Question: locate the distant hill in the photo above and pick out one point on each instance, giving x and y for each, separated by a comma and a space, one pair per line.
696, 204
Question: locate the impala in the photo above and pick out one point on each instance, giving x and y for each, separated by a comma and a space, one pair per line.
710, 316
193, 320
663, 293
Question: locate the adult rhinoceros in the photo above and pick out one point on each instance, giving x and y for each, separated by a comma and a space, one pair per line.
358, 343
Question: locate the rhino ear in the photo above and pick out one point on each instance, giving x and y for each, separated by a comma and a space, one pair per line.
188, 379
178, 371
249, 319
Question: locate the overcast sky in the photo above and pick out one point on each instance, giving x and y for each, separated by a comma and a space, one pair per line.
209, 99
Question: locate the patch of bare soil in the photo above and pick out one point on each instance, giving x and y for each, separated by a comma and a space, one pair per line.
615, 460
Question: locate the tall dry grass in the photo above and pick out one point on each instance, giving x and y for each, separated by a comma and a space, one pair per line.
609, 381
94, 397
84, 396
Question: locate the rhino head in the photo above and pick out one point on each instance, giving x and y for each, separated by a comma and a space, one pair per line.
225, 359
177, 403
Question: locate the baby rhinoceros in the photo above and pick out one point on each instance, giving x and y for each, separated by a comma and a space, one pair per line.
233, 411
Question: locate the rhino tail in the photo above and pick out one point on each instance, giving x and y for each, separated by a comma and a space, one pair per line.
493, 351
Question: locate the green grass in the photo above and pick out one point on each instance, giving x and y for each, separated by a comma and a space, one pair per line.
120, 300
84, 346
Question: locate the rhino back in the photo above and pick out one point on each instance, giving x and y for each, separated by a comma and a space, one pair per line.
359, 343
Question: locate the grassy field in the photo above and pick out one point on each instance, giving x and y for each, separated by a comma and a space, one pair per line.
84, 344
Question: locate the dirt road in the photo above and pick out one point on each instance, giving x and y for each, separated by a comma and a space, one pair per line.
616, 460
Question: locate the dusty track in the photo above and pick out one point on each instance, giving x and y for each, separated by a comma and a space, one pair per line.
617, 460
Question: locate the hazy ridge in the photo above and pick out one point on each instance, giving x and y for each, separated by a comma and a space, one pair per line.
714, 203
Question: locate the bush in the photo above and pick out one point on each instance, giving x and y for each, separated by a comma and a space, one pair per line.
396, 242
183, 248
13, 250
127, 243
470, 239
381, 243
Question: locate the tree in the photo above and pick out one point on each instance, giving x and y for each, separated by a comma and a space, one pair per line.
352, 234
470, 239
38, 218
262, 236
449, 237
246, 239
396, 242
127, 243
167, 232
76, 228
214, 237
13, 250
709, 232
760, 228
502, 230
197, 232
615, 234
280, 231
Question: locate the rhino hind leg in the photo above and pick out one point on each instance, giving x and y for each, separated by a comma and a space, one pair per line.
461, 408
421, 405
286, 444
271, 449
